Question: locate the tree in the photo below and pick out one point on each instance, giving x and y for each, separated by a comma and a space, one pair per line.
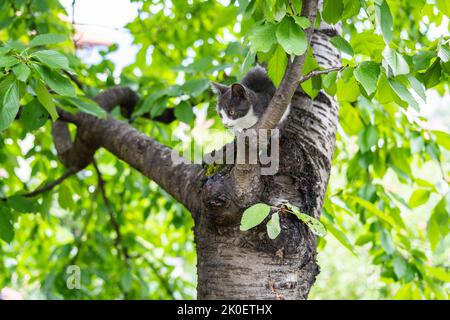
300, 45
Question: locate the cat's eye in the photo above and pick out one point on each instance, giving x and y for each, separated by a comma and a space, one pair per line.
231, 113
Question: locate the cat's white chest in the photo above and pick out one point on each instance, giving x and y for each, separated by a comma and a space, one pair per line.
244, 122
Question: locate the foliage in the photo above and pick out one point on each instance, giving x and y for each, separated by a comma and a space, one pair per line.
383, 146
257, 213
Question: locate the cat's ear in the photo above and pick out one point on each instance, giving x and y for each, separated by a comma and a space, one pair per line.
238, 90
218, 88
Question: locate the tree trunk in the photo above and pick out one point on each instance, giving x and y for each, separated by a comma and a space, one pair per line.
248, 265
233, 264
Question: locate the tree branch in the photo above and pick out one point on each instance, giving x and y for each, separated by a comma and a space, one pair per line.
181, 180
292, 7
315, 73
122, 250
48, 186
291, 78
51, 185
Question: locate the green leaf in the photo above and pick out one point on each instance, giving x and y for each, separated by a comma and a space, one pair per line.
33, 115
418, 198
342, 44
438, 224
195, 87
7, 61
303, 22
22, 72
367, 74
262, 37
384, 18
46, 99
22, 204
4, 50
254, 215
273, 226
404, 293
10, 107
400, 266
444, 7
400, 89
369, 44
47, 39
439, 273
184, 112
442, 138
126, 280
339, 235
65, 199
313, 224
351, 8
347, 91
432, 76
52, 59
277, 65
433, 232
418, 87
291, 37
329, 82
312, 86
55, 81
368, 138
332, 10
6, 226
422, 59
396, 61
386, 241
444, 53
247, 64
370, 207
88, 106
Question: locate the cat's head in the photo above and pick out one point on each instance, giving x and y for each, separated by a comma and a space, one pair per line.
234, 106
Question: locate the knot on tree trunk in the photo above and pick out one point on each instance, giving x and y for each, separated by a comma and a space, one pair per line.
218, 197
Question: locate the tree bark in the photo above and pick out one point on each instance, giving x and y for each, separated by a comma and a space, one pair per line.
233, 264
248, 265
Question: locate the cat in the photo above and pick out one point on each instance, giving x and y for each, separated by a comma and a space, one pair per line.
241, 105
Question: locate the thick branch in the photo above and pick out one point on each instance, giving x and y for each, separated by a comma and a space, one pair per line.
148, 156
291, 78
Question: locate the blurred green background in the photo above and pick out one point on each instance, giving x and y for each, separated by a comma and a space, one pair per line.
389, 158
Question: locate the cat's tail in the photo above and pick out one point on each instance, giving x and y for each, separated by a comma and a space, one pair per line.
258, 80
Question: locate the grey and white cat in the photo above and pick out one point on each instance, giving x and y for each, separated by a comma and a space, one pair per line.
241, 105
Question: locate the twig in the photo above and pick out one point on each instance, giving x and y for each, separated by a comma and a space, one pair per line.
79, 240
161, 279
292, 8
74, 79
48, 186
115, 224
118, 243
315, 73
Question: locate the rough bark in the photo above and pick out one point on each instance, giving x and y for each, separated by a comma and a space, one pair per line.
146, 155
243, 265
233, 264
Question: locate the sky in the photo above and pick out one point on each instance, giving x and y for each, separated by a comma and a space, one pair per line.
107, 19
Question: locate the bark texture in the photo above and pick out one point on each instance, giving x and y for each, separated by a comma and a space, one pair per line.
233, 264
248, 265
